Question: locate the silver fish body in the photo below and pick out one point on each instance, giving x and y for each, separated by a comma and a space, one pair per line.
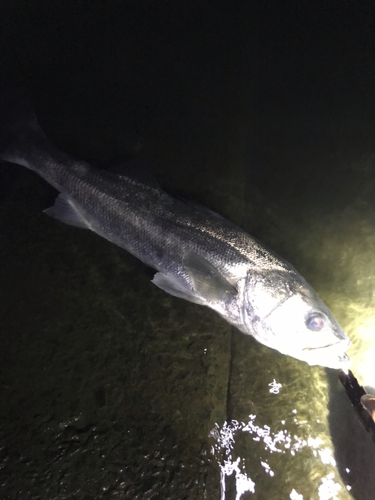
198, 255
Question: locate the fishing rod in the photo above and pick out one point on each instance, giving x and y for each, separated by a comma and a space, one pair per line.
359, 399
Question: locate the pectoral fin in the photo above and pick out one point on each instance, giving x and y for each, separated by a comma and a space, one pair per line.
173, 287
207, 281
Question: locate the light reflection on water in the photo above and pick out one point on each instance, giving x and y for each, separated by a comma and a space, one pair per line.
295, 432
281, 442
274, 387
245, 449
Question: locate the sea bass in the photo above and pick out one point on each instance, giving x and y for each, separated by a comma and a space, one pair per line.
198, 255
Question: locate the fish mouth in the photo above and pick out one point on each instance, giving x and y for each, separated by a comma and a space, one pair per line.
320, 347
344, 358
331, 357
344, 343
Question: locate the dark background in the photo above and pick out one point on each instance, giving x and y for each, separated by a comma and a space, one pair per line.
269, 105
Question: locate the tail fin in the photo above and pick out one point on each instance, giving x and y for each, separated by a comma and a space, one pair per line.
19, 127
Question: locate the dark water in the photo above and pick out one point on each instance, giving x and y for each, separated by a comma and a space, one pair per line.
109, 387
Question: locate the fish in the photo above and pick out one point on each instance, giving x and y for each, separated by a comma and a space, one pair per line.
197, 254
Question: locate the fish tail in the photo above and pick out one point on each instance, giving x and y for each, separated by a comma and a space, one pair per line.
20, 131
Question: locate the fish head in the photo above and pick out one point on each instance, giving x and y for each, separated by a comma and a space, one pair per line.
283, 312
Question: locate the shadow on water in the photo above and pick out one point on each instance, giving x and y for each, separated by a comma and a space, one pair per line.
112, 389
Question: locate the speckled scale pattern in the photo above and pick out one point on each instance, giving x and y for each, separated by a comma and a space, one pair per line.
155, 227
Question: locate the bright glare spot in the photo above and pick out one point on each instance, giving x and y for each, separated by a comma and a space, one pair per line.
225, 441
295, 496
243, 482
347, 470
275, 387
274, 442
328, 490
363, 361
326, 457
348, 487
267, 468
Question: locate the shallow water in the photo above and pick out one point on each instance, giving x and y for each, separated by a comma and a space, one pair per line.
113, 389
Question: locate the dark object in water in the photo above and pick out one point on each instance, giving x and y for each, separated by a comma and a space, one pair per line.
355, 393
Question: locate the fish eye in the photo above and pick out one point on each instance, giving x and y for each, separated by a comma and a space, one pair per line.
315, 322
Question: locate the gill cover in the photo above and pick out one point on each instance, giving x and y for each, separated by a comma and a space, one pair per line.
283, 312
264, 292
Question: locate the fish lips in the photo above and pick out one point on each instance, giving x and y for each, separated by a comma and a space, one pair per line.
331, 356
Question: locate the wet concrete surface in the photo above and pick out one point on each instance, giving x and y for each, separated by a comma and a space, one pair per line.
109, 387
106, 388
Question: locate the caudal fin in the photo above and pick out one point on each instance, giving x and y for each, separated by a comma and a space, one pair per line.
19, 127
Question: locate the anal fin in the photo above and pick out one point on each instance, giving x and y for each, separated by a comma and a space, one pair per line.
64, 210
